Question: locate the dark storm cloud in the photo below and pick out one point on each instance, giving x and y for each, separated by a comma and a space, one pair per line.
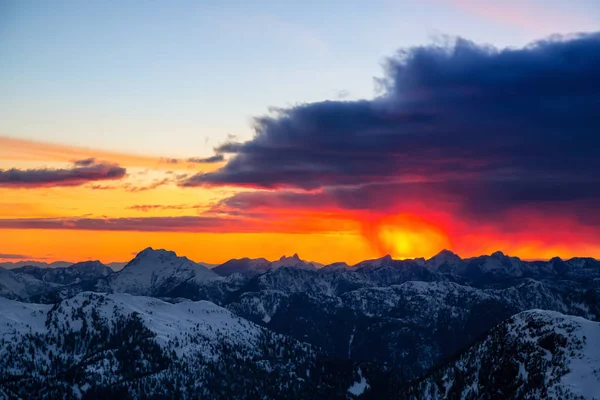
472, 200
486, 128
79, 174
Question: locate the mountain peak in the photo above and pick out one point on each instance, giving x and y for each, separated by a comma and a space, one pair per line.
152, 253
447, 252
498, 254
154, 269
88, 263
295, 257
444, 257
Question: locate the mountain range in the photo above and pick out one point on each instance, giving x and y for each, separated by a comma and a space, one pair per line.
164, 326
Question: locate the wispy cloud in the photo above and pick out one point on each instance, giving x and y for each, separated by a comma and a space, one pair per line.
14, 256
13, 149
81, 172
151, 207
142, 188
207, 160
229, 223
86, 162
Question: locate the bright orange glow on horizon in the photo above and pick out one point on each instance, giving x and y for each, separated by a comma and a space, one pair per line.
319, 232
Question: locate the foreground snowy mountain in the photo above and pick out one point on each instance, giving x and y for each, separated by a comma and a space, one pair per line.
536, 354
97, 345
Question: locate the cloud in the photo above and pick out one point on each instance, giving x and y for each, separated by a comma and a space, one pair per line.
134, 187
20, 149
241, 223
83, 171
474, 129
207, 160
102, 187
14, 256
155, 184
86, 162
150, 207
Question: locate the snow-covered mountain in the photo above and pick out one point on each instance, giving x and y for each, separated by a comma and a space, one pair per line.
375, 263
415, 324
251, 267
40, 264
156, 272
295, 262
75, 273
244, 266
107, 345
537, 354
22, 286
401, 318
444, 257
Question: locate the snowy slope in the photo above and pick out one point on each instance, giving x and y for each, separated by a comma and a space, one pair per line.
22, 286
75, 273
106, 345
17, 318
170, 322
153, 272
536, 354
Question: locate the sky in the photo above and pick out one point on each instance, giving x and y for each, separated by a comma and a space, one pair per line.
334, 130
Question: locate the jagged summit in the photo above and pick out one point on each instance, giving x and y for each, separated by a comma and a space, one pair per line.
151, 270
295, 257
293, 261
151, 252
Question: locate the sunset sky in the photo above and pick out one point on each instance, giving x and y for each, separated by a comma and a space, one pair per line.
225, 129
